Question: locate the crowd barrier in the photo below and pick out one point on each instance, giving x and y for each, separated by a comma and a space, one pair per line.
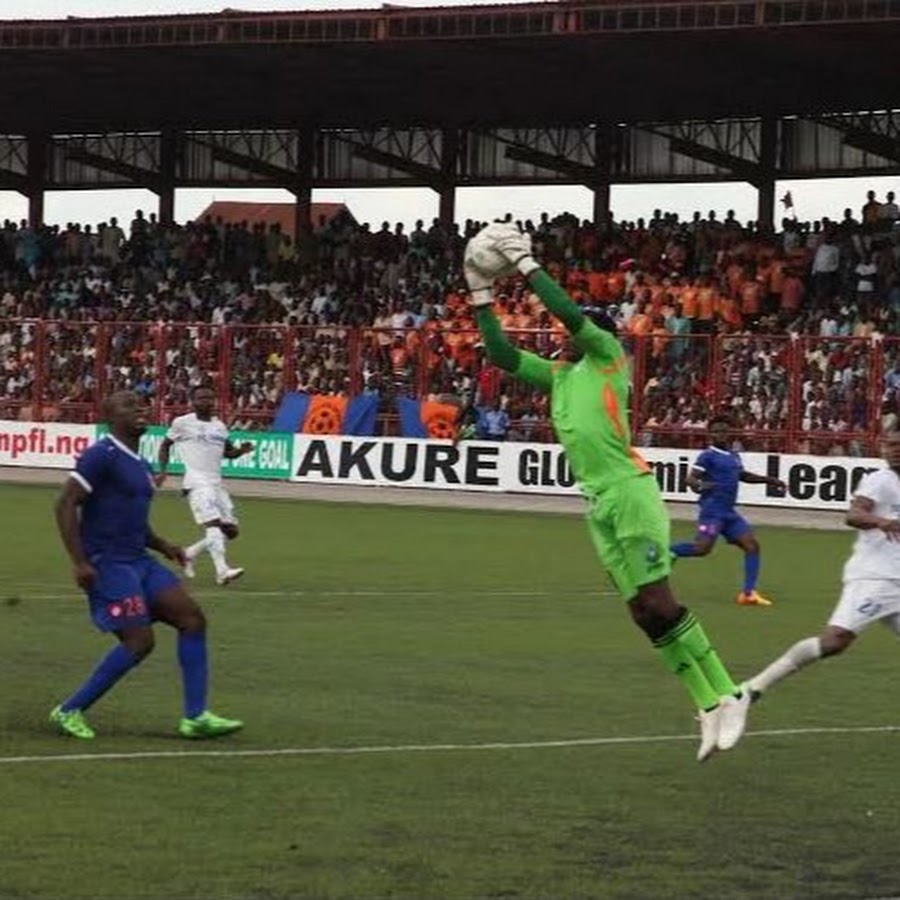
796, 394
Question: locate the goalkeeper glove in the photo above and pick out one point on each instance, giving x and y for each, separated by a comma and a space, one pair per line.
482, 264
516, 248
481, 288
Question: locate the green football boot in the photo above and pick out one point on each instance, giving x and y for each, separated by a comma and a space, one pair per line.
72, 723
208, 725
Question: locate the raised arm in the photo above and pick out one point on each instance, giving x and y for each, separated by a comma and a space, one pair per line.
481, 265
528, 366
591, 340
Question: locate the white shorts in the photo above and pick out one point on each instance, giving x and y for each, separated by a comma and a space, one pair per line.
866, 601
209, 503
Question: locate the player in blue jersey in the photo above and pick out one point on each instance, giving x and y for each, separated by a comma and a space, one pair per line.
103, 518
716, 476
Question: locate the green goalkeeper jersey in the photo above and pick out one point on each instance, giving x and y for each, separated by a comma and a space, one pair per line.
589, 408
589, 399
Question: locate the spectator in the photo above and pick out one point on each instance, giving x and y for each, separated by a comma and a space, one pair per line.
495, 423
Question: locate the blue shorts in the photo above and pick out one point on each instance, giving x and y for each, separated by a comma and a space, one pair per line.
731, 525
124, 592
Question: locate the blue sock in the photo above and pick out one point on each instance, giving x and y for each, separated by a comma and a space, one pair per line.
751, 571
192, 659
113, 666
685, 549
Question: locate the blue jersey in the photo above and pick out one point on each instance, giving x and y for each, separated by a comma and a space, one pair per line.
722, 469
115, 515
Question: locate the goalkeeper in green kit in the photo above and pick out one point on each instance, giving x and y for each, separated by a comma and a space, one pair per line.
627, 520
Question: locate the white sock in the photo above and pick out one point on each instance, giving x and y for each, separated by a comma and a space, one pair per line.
801, 654
195, 550
215, 543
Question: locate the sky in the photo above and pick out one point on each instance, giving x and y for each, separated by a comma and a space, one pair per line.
812, 198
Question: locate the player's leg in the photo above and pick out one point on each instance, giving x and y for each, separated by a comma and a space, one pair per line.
228, 526
861, 604
685, 648
643, 527
655, 612
117, 606
200, 511
207, 512
173, 605
631, 533
704, 540
204, 508
737, 531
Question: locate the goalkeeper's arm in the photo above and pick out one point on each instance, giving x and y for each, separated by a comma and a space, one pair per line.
587, 336
528, 366
590, 339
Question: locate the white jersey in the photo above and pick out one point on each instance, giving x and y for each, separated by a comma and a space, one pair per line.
201, 446
874, 556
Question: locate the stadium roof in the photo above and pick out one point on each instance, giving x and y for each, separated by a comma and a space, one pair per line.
534, 64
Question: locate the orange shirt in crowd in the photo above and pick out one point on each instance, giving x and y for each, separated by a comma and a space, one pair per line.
734, 275
398, 358
640, 324
689, 302
706, 302
776, 276
792, 293
751, 298
729, 312
615, 284
597, 285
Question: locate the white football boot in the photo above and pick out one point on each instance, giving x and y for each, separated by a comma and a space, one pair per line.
709, 732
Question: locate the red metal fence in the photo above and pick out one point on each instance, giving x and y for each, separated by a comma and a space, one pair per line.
802, 394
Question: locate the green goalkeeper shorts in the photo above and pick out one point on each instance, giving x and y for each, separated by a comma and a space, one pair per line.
630, 529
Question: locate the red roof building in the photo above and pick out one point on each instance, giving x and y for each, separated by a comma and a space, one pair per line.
284, 214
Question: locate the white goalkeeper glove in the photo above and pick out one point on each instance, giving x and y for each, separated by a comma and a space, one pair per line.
481, 288
482, 264
515, 247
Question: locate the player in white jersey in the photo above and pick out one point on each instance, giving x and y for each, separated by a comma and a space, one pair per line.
202, 441
871, 575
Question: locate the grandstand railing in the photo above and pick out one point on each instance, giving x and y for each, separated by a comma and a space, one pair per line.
797, 394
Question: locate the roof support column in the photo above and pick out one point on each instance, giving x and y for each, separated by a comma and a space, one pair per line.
36, 178
302, 190
168, 152
768, 159
603, 136
447, 191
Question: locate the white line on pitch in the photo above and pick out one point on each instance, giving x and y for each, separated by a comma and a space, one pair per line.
432, 748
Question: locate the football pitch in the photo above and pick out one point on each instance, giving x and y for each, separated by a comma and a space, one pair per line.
440, 704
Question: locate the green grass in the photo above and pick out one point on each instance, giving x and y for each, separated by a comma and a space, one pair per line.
365, 626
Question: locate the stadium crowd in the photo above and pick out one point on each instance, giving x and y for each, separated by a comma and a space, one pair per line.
721, 313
